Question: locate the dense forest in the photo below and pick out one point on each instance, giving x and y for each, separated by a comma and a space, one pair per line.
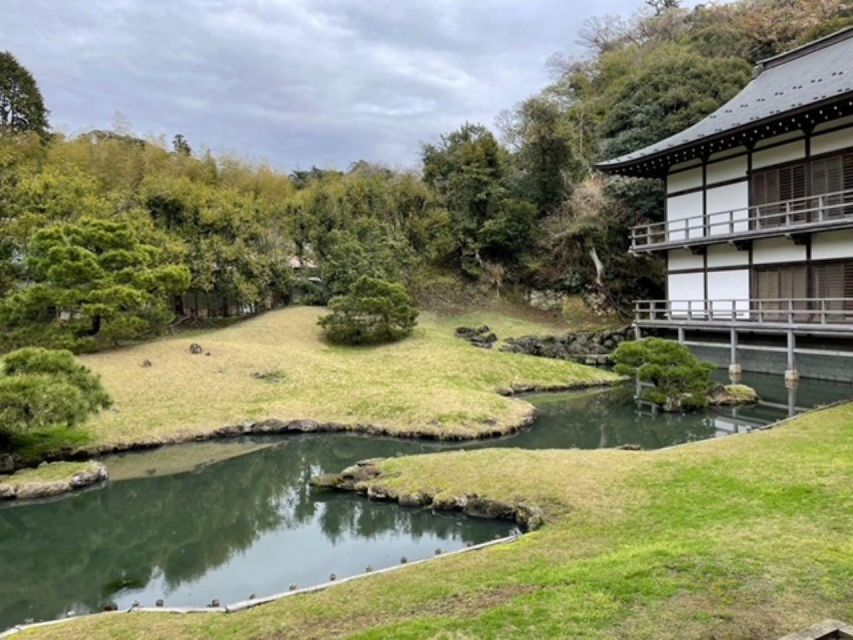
108, 237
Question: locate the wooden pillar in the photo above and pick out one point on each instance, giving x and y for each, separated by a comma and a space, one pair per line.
681, 335
791, 373
735, 369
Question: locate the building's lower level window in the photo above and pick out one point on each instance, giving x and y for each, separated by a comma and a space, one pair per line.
832, 284
817, 292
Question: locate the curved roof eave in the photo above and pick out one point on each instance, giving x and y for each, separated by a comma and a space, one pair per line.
794, 82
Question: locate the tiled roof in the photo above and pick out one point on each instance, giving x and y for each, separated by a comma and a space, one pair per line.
814, 73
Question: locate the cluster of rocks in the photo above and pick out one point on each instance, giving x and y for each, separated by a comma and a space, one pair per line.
720, 395
358, 478
546, 299
587, 347
482, 336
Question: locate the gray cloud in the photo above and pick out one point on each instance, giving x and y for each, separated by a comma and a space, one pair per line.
294, 82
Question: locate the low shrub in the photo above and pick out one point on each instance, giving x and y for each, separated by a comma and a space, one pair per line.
372, 312
680, 379
43, 389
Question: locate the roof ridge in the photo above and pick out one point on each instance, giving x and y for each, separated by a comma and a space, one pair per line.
802, 50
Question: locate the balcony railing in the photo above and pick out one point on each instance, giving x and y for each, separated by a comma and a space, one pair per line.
787, 216
830, 312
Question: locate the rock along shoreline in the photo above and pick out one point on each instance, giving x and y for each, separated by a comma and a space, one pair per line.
359, 477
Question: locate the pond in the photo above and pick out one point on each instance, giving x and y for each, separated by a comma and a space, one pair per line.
228, 519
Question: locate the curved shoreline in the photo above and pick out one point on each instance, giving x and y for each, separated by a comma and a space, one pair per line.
272, 426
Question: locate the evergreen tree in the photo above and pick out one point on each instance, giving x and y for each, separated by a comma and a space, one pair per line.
372, 312
468, 169
547, 157
180, 145
21, 105
41, 389
89, 283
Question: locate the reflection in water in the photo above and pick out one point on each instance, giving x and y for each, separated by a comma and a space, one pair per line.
251, 524
246, 525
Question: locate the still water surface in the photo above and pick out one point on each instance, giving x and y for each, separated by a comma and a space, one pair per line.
183, 524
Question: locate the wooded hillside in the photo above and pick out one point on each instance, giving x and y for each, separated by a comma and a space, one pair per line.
191, 234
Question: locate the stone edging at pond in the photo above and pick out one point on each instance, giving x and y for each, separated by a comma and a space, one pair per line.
356, 477
42, 482
274, 426
255, 602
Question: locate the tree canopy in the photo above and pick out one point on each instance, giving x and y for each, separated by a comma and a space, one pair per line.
201, 236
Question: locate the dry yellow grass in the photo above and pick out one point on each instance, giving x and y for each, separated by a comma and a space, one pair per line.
431, 383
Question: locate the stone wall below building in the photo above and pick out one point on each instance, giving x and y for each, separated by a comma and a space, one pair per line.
822, 367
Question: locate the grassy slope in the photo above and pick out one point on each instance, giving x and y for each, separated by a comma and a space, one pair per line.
431, 382
741, 537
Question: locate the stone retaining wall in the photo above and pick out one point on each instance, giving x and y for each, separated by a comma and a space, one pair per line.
587, 347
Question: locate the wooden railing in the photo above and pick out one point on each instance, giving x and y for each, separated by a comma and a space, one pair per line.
782, 216
788, 311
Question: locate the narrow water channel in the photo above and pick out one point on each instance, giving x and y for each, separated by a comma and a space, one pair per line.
229, 519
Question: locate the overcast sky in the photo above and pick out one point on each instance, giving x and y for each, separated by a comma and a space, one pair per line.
294, 82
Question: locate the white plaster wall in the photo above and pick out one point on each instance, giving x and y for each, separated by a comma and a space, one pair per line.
683, 287
791, 135
683, 259
724, 170
779, 155
688, 205
832, 244
775, 250
728, 292
831, 124
728, 152
832, 141
722, 200
683, 180
685, 165
725, 255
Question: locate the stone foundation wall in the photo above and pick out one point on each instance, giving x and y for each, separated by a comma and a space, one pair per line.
823, 367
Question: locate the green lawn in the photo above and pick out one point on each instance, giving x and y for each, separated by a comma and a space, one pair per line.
431, 383
737, 538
